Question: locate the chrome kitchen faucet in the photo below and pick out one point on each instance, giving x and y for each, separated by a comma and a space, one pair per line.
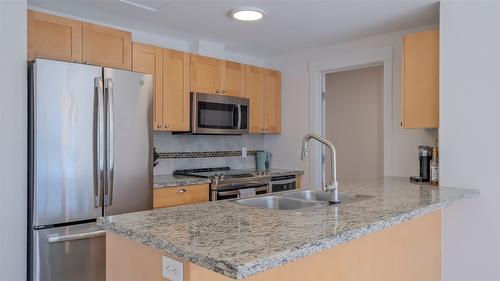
333, 186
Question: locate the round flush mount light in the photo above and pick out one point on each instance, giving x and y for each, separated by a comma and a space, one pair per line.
247, 14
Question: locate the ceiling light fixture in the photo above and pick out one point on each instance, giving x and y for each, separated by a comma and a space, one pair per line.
247, 14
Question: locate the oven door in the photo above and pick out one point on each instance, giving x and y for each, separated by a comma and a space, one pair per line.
235, 192
283, 183
215, 114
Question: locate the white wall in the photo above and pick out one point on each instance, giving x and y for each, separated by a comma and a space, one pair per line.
354, 121
470, 137
295, 104
13, 104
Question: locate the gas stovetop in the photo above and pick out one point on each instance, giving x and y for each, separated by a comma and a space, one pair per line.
225, 175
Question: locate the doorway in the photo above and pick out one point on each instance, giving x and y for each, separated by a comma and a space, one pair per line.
353, 119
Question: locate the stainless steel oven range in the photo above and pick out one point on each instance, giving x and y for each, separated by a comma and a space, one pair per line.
230, 184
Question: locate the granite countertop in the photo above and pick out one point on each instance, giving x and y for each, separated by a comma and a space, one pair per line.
239, 241
162, 181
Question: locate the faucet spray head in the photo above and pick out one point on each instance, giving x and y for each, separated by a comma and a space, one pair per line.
304, 151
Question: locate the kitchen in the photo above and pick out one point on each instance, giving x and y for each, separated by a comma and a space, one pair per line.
179, 125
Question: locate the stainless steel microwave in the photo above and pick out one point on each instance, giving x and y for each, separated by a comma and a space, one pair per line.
218, 115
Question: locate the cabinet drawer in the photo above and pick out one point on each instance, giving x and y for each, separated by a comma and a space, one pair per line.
173, 196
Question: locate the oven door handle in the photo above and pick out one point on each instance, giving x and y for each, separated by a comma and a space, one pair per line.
237, 191
241, 185
284, 181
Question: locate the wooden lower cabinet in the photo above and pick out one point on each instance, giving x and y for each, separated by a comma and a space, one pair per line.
410, 251
298, 181
173, 196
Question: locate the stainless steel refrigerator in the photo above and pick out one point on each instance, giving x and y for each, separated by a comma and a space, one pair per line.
90, 154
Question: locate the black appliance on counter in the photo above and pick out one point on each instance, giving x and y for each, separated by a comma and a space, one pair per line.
424, 159
228, 184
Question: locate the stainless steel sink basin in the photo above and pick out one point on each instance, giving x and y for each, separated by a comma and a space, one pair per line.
324, 196
280, 203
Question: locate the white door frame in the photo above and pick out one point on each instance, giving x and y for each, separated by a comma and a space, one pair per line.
349, 60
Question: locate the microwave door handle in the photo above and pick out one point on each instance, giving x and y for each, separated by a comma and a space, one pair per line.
239, 117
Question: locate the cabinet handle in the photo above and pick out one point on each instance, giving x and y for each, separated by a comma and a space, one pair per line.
166, 126
180, 191
223, 91
158, 126
217, 91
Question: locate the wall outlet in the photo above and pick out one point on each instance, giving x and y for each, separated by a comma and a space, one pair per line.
173, 270
243, 152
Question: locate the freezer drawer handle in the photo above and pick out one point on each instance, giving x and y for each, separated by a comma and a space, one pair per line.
77, 236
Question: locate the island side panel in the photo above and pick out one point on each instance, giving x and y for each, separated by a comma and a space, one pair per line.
410, 251
128, 260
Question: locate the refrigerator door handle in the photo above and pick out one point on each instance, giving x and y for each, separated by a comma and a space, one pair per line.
108, 88
77, 236
98, 141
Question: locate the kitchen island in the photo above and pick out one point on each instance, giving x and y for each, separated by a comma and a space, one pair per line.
393, 235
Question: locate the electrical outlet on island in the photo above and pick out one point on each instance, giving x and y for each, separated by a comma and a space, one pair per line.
243, 152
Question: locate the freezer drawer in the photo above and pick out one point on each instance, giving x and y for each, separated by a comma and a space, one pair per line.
71, 253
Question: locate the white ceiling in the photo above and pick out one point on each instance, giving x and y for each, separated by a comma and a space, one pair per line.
288, 26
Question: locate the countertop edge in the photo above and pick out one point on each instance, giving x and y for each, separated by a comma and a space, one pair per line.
243, 271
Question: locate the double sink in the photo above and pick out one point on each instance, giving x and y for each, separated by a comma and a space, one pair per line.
295, 200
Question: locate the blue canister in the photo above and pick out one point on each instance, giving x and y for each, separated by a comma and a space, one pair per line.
263, 159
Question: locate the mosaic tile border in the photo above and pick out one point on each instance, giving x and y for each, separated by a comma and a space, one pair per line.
204, 154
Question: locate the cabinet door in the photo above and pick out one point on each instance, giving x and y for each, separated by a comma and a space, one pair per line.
175, 90
148, 59
180, 195
254, 77
54, 37
421, 79
107, 46
234, 79
272, 101
205, 74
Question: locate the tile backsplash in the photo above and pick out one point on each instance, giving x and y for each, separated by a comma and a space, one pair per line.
212, 146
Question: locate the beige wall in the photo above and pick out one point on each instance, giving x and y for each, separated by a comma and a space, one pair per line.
354, 122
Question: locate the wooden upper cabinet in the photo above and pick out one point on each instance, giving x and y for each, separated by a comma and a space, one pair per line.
148, 59
254, 77
176, 111
107, 46
234, 79
206, 74
54, 37
272, 101
421, 79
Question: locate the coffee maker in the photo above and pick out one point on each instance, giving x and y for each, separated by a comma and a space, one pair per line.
424, 159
